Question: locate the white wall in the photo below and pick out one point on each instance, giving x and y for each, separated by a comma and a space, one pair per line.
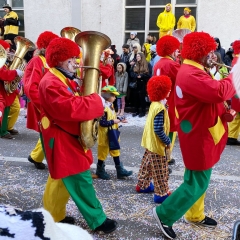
221, 19
106, 16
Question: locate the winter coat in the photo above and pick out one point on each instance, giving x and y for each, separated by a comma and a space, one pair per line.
122, 80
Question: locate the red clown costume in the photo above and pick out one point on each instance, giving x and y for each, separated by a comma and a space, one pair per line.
202, 132
234, 126
34, 72
6, 99
166, 46
62, 111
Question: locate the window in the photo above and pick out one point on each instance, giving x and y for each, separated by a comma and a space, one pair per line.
141, 15
17, 6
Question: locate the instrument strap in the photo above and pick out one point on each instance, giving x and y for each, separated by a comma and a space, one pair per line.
63, 79
44, 61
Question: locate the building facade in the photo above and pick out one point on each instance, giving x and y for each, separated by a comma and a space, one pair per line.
117, 18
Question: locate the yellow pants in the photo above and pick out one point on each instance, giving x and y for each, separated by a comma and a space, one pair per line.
196, 212
104, 151
37, 153
234, 127
173, 141
164, 33
55, 198
13, 114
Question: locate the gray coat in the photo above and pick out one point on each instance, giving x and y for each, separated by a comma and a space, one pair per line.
121, 82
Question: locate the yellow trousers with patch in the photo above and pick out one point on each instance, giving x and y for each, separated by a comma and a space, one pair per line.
37, 153
13, 113
103, 152
196, 212
164, 33
55, 198
234, 127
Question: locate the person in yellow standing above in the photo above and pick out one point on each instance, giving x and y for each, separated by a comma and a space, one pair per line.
186, 20
166, 21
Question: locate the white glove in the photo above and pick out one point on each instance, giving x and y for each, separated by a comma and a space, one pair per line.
103, 100
19, 72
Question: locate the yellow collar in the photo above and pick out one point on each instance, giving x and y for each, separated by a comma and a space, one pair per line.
193, 63
168, 57
63, 79
44, 61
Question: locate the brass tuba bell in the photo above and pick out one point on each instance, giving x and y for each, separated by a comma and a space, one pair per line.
69, 32
92, 44
3, 56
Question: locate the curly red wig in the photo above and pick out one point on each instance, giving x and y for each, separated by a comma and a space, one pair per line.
236, 47
158, 87
61, 49
5, 44
45, 38
197, 45
166, 45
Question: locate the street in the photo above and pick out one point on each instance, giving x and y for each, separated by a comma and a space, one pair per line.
22, 185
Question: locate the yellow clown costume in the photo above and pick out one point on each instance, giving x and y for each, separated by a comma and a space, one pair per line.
166, 22
187, 21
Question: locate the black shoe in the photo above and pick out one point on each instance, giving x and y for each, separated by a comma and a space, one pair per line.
69, 220
7, 136
38, 165
108, 226
233, 141
167, 231
206, 222
141, 115
171, 162
135, 114
169, 170
13, 132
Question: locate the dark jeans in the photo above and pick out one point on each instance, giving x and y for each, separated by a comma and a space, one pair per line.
139, 100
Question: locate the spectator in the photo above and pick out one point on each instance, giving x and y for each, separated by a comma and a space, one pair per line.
187, 21
154, 56
219, 48
132, 40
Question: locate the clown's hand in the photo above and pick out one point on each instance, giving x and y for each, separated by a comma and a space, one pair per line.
19, 72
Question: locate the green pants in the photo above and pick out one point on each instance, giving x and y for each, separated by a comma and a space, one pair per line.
194, 185
4, 126
81, 190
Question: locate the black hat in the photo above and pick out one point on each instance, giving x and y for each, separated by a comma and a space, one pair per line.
7, 6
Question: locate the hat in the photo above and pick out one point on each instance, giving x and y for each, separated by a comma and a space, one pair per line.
236, 47
45, 38
61, 49
158, 87
153, 48
124, 66
187, 9
166, 45
134, 33
197, 45
5, 44
110, 89
7, 6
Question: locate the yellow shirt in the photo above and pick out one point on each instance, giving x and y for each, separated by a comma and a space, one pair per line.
150, 140
9, 28
166, 21
188, 23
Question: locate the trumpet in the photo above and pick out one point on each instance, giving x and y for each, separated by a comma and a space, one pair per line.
212, 62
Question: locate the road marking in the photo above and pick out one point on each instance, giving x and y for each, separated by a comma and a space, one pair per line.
134, 169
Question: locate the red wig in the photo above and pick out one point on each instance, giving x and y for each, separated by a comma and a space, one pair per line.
5, 44
158, 87
236, 47
197, 45
166, 45
61, 49
45, 38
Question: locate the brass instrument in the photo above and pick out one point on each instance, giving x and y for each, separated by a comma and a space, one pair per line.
219, 64
70, 33
92, 44
23, 45
180, 33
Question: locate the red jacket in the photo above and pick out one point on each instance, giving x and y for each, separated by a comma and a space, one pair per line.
199, 103
169, 68
61, 115
34, 72
107, 72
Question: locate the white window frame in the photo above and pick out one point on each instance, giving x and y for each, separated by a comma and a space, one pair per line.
147, 7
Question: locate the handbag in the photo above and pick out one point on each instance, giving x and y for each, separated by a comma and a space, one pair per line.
133, 85
230, 114
113, 138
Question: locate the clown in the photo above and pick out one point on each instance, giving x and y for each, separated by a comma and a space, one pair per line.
155, 140
9, 102
167, 49
202, 133
62, 112
187, 21
34, 72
